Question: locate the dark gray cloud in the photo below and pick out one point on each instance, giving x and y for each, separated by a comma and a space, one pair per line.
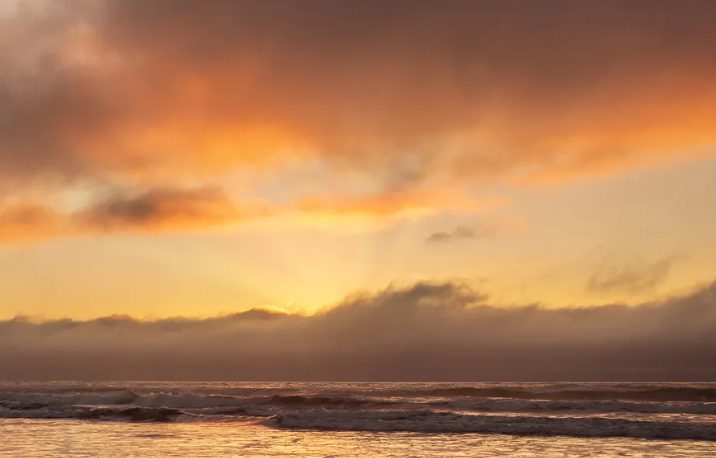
428, 331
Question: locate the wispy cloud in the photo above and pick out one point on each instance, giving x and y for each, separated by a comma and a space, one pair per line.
461, 233
633, 276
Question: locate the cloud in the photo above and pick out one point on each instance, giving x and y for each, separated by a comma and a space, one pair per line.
630, 277
428, 331
435, 93
163, 208
460, 233
148, 210
180, 209
29, 221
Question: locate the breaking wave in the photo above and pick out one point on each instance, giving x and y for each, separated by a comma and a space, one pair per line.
628, 393
449, 422
668, 411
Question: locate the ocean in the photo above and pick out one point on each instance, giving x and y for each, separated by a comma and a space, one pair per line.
357, 419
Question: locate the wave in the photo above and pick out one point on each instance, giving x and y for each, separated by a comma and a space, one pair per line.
270, 405
448, 422
410, 420
338, 402
635, 410
526, 406
70, 397
132, 413
701, 394
135, 413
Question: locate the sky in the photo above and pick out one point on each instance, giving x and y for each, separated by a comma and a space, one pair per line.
553, 161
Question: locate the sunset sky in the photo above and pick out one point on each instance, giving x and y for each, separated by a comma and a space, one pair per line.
196, 159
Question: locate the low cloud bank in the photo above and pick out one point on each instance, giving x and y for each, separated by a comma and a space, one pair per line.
429, 331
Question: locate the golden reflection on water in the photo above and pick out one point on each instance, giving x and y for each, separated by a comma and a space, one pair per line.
38, 438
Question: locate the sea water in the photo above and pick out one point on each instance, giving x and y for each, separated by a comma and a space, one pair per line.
357, 419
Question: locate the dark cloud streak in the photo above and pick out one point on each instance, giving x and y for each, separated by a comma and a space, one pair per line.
155, 208
143, 210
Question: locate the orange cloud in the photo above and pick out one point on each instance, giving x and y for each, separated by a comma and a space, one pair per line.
29, 221
154, 210
465, 93
162, 209
195, 209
